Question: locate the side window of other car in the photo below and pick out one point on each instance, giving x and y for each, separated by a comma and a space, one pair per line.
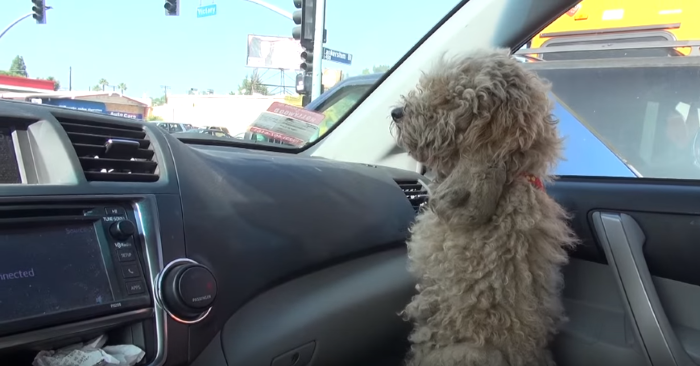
623, 113
338, 105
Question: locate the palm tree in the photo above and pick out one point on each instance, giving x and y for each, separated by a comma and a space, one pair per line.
253, 84
121, 87
103, 83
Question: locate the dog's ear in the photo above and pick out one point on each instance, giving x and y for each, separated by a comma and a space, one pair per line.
469, 195
511, 109
447, 198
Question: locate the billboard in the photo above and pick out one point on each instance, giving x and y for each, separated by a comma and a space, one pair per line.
273, 52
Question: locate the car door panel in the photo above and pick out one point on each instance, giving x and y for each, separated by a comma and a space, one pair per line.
598, 331
632, 287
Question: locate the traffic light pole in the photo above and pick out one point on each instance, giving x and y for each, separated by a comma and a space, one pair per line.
15, 22
273, 8
316, 84
23, 17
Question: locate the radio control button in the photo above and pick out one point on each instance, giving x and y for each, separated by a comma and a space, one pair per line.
115, 211
126, 255
135, 287
122, 229
131, 270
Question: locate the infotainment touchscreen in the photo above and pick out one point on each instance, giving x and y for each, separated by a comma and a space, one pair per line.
9, 168
51, 269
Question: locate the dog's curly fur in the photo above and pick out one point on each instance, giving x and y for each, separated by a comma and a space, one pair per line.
488, 250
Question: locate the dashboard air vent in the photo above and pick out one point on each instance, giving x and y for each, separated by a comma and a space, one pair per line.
112, 152
415, 192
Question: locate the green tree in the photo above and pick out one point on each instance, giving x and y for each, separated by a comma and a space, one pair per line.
159, 101
97, 88
18, 67
121, 87
376, 69
252, 84
56, 83
153, 118
103, 83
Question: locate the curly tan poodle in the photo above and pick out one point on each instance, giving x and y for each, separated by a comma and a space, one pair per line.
489, 248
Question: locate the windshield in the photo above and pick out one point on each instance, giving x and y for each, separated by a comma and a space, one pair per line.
210, 66
626, 70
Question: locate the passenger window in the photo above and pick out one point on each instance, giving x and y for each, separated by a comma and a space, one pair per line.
625, 93
338, 105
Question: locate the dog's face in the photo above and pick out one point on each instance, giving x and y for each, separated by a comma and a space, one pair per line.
483, 108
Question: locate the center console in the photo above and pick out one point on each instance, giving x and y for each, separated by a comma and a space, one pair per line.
63, 263
75, 267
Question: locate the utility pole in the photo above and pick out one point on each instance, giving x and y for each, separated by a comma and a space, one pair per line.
165, 92
317, 84
70, 78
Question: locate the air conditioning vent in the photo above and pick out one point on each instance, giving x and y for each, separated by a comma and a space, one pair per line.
112, 152
415, 192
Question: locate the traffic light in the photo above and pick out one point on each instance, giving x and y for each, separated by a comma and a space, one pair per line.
305, 19
39, 10
300, 84
172, 7
303, 83
307, 61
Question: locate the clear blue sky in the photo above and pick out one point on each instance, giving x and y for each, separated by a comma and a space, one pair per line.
133, 42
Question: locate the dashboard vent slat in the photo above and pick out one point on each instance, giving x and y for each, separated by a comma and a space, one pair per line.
82, 138
132, 161
416, 193
92, 150
104, 131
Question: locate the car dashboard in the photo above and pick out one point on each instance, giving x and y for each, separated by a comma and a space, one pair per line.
198, 254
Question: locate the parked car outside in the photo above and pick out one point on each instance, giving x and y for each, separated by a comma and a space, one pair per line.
204, 131
173, 127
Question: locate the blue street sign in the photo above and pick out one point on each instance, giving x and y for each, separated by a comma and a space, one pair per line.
337, 56
206, 11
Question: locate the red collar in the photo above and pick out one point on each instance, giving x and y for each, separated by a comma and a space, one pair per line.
535, 181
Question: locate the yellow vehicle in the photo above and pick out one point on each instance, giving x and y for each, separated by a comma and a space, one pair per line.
610, 62
593, 22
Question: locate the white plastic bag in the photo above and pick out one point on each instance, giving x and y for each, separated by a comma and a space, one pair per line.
93, 353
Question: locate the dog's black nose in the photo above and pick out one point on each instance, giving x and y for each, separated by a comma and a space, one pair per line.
397, 114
